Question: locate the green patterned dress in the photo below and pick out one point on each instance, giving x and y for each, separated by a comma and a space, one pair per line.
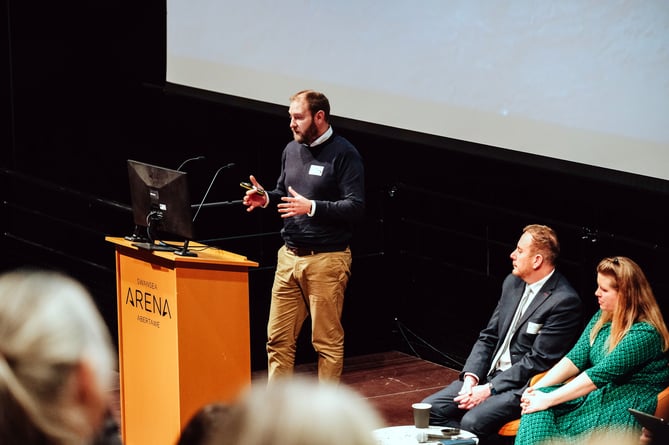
630, 376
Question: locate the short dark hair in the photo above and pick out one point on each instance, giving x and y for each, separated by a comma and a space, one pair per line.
316, 101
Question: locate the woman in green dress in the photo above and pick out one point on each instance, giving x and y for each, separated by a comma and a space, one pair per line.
619, 362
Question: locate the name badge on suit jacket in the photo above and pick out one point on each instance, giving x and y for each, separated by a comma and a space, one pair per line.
533, 328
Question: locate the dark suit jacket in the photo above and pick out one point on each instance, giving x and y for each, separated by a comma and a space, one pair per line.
547, 331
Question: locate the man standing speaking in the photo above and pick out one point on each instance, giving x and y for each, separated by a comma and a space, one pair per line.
320, 193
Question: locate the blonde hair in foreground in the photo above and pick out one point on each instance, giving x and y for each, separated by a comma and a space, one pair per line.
604, 437
598, 437
301, 411
56, 360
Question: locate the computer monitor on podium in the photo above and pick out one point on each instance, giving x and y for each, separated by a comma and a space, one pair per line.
161, 203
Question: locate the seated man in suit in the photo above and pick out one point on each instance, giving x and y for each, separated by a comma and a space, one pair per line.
537, 319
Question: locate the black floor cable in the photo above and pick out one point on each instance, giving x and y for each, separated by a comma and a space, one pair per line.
403, 330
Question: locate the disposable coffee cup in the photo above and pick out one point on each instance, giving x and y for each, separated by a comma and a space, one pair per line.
421, 414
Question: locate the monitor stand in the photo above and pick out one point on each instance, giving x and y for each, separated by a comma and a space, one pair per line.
184, 250
158, 247
136, 237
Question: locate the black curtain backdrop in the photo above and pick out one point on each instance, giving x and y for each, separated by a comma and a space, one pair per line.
83, 91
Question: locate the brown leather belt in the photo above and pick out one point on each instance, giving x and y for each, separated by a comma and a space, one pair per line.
301, 251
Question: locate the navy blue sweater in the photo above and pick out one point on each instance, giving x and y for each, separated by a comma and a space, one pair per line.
332, 174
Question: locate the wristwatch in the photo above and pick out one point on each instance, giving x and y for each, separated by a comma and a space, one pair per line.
492, 389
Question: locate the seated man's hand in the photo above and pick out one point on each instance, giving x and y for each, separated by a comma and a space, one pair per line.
477, 395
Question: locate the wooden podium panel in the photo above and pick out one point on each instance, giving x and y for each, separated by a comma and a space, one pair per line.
184, 337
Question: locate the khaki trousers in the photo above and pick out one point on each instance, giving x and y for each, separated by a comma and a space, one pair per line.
308, 285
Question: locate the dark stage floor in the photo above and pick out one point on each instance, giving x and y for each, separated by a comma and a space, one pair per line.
392, 381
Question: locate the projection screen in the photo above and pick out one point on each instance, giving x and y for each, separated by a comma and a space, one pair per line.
585, 81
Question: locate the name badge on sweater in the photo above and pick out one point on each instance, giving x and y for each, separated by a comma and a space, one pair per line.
316, 170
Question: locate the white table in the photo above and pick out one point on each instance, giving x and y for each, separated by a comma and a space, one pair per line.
408, 435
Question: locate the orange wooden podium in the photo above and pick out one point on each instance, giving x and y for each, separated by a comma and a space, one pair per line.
183, 333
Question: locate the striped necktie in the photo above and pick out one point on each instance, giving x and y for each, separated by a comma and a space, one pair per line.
512, 328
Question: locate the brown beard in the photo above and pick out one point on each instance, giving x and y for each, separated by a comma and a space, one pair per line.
309, 135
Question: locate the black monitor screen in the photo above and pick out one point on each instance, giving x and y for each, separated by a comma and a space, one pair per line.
160, 199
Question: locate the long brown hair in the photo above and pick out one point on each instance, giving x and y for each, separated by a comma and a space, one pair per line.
636, 301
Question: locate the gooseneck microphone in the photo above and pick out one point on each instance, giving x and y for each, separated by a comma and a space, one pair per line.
232, 164
184, 251
197, 158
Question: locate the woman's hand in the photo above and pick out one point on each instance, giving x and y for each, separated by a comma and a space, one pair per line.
532, 401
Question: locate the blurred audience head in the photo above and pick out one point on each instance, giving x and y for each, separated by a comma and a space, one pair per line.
301, 411
56, 360
206, 425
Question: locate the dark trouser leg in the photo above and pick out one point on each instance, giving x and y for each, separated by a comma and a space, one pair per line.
488, 417
444, 411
